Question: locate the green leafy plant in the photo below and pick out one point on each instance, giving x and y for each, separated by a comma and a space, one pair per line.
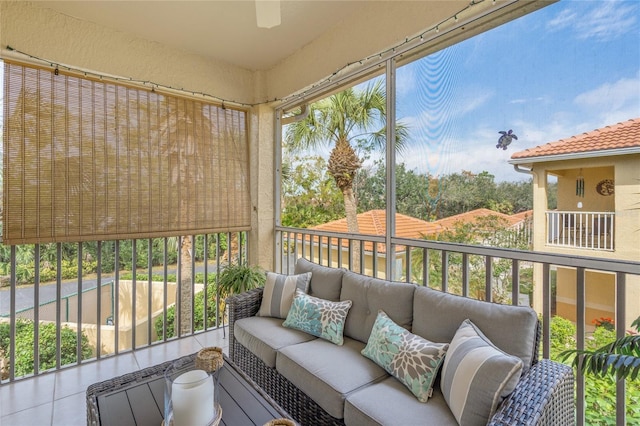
24, 356
600, 391
238, 278
214, 315
621, 356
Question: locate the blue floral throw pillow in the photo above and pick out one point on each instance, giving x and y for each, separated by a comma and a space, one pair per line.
318, 317
409, 358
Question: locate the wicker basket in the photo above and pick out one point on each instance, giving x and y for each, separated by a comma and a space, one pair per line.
209, 359
280, 422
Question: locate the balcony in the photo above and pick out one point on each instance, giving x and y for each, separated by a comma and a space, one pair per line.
495, 274
581, 230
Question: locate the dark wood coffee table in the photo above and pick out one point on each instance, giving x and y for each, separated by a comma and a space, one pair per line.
138, 399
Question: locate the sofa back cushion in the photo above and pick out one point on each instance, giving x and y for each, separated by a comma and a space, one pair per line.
325, 282
513, 329
370, 295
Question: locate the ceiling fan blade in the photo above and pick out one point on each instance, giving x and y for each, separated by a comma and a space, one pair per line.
268, 13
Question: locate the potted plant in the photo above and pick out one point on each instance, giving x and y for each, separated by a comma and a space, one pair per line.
236, 279
621, 357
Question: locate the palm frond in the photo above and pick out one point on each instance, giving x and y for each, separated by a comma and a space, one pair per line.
345, 115
621, 357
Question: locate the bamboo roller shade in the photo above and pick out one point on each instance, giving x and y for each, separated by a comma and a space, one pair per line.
92, 160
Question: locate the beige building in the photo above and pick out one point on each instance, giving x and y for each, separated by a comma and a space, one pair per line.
597, 214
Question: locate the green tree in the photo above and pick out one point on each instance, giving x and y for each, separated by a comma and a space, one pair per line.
490, 230
411, 190
310, 196
341, 121
465, 191
181, 126
519, 195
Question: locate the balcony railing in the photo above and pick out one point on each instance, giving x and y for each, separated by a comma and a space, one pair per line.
585, 230
123, 295
488, 273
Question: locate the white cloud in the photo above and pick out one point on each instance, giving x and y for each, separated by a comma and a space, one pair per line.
457, 108
606, 21
527, 101
611, 95
477, 151
613, 102
564, 19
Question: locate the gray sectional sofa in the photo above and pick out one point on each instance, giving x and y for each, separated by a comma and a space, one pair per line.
319, 382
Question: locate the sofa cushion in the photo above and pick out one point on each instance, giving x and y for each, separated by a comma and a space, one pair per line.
370, 295
325, 283
326, 372
388, 402
409, 358
265, 336
476, 376
278, 293
438, 315
318, 317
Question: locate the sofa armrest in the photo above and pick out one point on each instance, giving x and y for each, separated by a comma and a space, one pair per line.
240, 306
545, 396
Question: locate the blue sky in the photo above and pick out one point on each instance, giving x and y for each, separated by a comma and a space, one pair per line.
569, 68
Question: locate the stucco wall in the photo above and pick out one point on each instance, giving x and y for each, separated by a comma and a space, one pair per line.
623, 169
600, 287
64, 39
591, 201
46, 34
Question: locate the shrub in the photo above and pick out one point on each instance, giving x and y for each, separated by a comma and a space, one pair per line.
47, 345
600, 392
603, 322
563, 334
198, 314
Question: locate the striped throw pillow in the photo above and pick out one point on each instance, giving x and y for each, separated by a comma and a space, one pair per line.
278, 293
476, 376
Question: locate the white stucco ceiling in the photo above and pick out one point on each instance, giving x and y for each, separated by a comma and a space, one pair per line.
224, 30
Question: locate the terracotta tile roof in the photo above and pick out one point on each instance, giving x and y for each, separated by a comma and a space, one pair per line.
617, 136
473, 215
528, 214
374, 222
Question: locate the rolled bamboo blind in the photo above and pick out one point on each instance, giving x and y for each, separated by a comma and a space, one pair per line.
92, 160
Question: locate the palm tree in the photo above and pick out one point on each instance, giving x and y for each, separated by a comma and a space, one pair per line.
180, 126
348, 117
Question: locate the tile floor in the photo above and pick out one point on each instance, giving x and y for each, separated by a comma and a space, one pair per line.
59, 398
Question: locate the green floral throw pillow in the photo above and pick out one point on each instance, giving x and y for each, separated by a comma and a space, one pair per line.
409, 358
318, 317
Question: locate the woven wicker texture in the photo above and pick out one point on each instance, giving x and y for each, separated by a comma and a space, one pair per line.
543, 397
280, 422
209, 359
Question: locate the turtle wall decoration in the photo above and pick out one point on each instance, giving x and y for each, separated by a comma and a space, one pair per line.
505, 140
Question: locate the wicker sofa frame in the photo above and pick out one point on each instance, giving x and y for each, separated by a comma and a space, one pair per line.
543, 397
